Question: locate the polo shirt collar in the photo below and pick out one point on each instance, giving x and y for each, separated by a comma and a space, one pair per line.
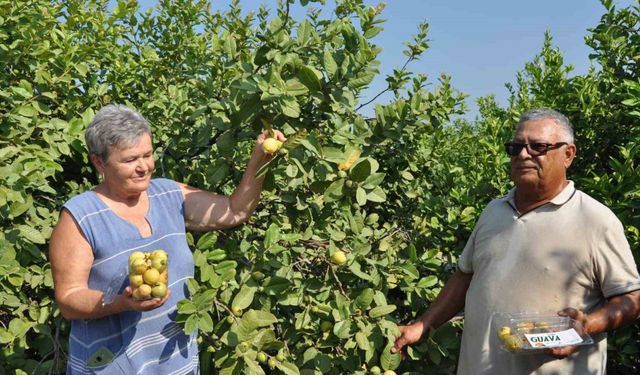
560, 199
564, 196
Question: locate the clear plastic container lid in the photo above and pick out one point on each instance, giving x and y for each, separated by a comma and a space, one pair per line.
116, 286
534, 332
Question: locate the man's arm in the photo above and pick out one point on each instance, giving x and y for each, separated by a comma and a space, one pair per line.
619, 311
205, 210
448, 303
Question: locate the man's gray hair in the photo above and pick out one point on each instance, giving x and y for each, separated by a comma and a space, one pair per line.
114, 125
547, 113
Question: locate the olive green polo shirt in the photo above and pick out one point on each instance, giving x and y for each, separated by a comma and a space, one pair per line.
569, 252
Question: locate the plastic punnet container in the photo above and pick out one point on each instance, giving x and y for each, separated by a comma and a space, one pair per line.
524, 333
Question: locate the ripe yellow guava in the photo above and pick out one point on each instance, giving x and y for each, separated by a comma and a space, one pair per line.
339, 258
136, 255
271, 145
142, 292
151, 276
138, 266
159, 291
135, 281
504, 332
512, 343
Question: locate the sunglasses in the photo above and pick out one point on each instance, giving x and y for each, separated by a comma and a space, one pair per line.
534, 149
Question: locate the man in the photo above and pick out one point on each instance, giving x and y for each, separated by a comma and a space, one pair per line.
545, 246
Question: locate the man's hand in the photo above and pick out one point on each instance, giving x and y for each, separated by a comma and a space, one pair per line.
564, 351
409, 335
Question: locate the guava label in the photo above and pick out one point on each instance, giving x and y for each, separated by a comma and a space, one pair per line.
554, 339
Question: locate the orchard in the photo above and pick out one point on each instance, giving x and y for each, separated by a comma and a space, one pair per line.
362, 218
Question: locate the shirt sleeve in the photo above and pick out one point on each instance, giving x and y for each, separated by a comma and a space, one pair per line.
465, 261
615, 269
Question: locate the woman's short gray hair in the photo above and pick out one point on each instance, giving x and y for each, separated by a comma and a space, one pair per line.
547, 113
114, 125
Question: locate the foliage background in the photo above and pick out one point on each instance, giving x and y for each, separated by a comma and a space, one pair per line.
416, 175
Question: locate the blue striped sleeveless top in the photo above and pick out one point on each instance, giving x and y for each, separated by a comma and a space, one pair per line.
133, 342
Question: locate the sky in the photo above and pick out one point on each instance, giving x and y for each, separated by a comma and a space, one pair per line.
480, 44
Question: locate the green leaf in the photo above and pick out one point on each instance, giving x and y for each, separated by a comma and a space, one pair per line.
289, 107
186, 307
216, 255
288, 368
311, 144
373, 180
342, 329
467, 214
379, 311
230, 367
329, 63
427, 282
377, 195
19, 327
205, 324
7, 151
244, 298
42, 108
388, 360
5, 336
295, 87
363, 341
253, 367
18, 208
31, 234
207, 241
309, 77
226, 144
361, 196
225, 266
373, 31
410, 270
355, 268
305, 31
264, 169
407, 175
361, 170
362, 79
334, 191
27, 111
260, 318
276, 285
15, 280
332, 154
272, 235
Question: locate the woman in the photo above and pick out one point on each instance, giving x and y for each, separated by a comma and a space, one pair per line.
130, 211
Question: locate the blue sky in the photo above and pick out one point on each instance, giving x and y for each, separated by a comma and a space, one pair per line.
481, 44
